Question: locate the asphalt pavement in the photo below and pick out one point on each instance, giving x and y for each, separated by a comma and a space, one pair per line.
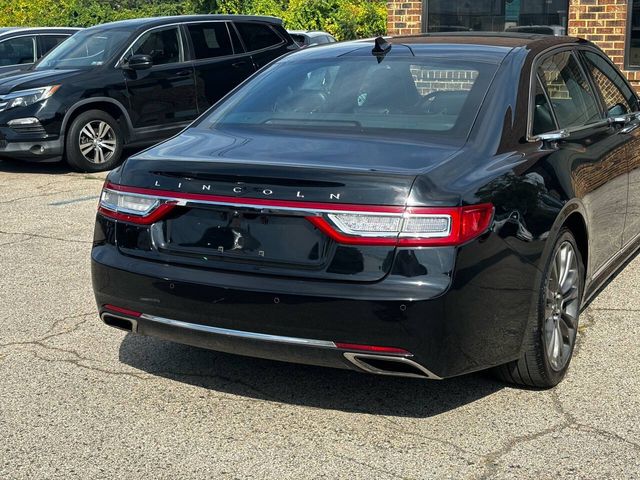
81, 400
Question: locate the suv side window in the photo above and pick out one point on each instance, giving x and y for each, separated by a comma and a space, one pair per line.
571, 95
49, 42
17, 51
210, 40
257, 36
162, 44
619, 99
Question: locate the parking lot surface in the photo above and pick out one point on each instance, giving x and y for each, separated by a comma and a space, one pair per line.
81, 400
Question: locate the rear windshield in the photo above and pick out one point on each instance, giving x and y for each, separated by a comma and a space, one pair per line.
399, 96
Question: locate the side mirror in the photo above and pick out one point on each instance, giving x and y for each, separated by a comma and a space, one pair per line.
139, 62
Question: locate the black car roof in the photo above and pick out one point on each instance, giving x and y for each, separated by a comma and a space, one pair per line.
490, 45
158, 21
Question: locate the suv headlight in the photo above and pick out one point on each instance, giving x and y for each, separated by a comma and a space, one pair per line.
24, 98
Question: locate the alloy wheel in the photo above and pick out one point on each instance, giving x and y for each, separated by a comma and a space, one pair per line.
562, 303
97, 141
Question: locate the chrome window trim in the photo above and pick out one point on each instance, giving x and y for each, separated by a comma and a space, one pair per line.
35, 48
571, 47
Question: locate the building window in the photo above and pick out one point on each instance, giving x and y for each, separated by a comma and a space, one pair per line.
527, 16
633, 36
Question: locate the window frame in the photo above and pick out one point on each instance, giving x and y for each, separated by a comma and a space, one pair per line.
616, 69
627, 39
265, 49
181, 41
40, 52
572, 48
198, 61
34, 41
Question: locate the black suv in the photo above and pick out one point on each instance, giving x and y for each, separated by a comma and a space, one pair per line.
133, 82
20, 48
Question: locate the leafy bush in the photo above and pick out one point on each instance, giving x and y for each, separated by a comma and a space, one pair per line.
345, 19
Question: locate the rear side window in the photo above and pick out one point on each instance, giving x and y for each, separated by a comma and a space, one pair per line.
49, 42
257, 36
163, 45
543, 121
210, 40
617, 96
572, 98
17, 51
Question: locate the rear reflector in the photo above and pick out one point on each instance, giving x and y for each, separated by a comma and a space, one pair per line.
372, 348
124, 311
344, 223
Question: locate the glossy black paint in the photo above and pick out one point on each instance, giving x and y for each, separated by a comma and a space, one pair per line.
456, 309
150, 105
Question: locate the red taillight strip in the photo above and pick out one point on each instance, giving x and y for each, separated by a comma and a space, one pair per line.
125, 311
321, 224
257, 202
372, 348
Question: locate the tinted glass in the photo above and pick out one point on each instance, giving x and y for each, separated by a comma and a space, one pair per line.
210, 40
299, 39
49, 42
497, 15
400, 96
17, 51
86, 49
163, 45
618, 97
543, 121
257, 36
633, 45
571, 95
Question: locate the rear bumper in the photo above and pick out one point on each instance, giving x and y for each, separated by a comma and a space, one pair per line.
477, 323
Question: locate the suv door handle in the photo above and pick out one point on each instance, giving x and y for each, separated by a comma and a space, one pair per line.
239, 64
182, 73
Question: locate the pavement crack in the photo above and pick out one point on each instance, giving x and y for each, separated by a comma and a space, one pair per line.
48, 237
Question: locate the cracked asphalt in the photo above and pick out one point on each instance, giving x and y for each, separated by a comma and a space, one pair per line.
81, 400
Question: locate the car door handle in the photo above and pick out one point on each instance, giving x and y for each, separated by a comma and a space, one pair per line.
239, 64
182, 73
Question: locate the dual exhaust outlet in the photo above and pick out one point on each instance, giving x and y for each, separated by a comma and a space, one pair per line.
379, 364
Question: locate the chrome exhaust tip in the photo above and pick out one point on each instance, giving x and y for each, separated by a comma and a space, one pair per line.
396, 366
121, 323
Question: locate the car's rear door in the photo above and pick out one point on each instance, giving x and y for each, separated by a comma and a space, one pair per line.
622, 106
163, 97
591, 161
219, 60
265, 42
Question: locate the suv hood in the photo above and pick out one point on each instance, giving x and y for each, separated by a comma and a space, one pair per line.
33, 79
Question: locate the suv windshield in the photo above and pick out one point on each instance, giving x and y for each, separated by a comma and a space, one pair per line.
406, 96
86, 49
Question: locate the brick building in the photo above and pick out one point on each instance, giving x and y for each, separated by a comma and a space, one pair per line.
612, 24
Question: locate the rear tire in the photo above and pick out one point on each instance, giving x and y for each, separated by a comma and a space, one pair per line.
94, 142
549, 344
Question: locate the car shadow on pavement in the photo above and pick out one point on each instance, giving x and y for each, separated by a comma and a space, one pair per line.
303, 385
53, 168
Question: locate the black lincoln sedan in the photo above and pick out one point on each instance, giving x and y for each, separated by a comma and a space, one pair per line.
420, 206
132, 82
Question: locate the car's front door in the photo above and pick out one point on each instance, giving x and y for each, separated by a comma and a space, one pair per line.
592, 161
220, 61
623, 107
163, 97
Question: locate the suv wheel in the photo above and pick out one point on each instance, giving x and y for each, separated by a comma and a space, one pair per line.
549, 345
94, 142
